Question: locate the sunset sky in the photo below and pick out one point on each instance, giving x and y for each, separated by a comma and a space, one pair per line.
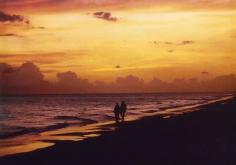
167, 39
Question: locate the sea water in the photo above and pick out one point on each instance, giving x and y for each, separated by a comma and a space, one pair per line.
37, 113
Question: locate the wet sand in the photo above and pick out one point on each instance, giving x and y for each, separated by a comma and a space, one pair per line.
206, 136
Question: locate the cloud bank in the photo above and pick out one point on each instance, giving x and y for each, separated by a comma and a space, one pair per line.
75, 4
12, 18
11, 35
29, 79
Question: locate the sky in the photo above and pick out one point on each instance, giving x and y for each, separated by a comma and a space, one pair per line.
101, 40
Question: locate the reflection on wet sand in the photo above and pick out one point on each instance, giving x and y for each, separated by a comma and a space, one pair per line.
24, 148
32, 142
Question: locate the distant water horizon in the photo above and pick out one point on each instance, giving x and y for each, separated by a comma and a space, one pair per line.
112, 93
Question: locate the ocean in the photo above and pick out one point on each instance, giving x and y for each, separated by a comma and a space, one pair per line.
21, 115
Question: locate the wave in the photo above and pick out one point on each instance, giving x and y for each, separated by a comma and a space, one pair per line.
82, 120
24, 130
108, 117
92, 115
17, 131
149, 111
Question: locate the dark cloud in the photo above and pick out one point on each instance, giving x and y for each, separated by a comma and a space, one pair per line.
5, 68
38, 27
118, 66
29, 79
157, 84
5, 17
69, 82
155, 42
224, 83
11, 35
130, 79
186, 42
128, 84
105, 15
26, 78
67, 77
171, 51
205, 73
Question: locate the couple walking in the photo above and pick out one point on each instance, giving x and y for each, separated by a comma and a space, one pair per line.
119, 111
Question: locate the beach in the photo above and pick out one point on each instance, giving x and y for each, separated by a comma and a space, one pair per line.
204, 136
117, 82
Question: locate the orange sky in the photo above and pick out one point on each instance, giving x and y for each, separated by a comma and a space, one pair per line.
165, 39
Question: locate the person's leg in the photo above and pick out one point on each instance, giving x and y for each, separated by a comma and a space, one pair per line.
117, 118
122, 116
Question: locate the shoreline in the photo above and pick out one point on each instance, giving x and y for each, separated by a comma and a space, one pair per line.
207, 134
34, 141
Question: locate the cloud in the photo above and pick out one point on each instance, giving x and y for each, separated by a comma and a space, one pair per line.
171, 51
26, 74
118, 66
45, 58
49, 71
224, 83
187, 42
205, 73
56, 5
155, 42
69, 82
105, 16
67, 77
29, 79
172, 45
19, 19
11, 18
4, 68
168, 43
38, 27
127, 84
11, 35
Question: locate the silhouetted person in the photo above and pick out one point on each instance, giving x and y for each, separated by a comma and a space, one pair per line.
123, 108
117, 112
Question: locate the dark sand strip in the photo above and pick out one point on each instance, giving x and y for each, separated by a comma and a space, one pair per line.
204, 137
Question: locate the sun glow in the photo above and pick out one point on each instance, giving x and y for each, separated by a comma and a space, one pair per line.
141, 41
